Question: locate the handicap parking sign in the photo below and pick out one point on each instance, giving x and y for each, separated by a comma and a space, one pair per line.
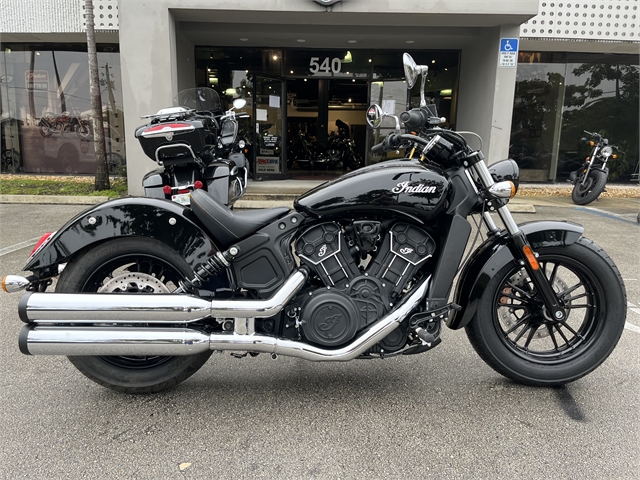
508, 53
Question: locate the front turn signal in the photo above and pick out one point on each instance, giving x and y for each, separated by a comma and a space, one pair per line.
505, 189
531, 257
592, 143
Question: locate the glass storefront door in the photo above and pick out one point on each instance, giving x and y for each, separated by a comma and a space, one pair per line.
270, 156
309, 103
391, 95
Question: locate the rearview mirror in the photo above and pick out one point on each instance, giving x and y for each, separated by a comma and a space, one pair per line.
410, 69
374, 115
411, 72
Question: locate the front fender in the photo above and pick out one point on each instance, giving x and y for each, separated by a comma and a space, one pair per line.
166, 221
494, 254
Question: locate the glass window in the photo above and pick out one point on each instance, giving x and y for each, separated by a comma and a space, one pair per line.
46, 107
601, 96
558, 95
328, 63
538, 97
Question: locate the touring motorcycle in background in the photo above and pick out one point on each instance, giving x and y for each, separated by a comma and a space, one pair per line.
361, 268
590, 180
196, 147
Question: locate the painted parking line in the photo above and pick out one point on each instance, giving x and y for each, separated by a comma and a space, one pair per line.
604, 213
18, 246
630, 326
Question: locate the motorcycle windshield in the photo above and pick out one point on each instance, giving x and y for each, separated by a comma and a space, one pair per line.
199, 99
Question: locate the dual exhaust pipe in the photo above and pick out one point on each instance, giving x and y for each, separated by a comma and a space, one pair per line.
144, 333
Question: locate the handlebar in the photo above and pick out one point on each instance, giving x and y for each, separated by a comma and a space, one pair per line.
394, 142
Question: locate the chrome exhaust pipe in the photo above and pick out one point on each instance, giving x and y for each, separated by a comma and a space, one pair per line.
55, 340
127, 341
290, 348
91, 308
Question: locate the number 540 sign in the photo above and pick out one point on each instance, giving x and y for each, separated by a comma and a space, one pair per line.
325, 65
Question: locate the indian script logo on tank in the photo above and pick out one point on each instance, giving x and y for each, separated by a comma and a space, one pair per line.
323, 250
404, 187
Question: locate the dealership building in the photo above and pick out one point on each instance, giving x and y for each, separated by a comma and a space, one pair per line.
528, 76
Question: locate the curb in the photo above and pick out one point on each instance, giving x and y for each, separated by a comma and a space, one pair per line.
53, 199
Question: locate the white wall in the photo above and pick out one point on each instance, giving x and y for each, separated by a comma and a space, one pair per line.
485, 101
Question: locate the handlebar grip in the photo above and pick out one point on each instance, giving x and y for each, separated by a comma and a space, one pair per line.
378, 148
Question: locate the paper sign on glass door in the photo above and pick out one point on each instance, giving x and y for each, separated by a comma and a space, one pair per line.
261, 115
274, 101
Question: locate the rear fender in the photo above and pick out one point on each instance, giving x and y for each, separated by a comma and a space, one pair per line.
166, 221
494, 254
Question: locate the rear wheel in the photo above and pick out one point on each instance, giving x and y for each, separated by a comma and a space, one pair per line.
592, 188
11, 161
115, 162
135, 265
514, 334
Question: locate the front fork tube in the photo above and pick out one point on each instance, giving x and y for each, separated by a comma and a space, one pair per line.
589, 163
518, 247
540, 281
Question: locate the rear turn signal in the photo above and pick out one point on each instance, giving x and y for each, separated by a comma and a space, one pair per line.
14, 283
531, 258
197, 184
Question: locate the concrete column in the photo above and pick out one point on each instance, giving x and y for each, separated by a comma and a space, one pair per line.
149, 76
485, 102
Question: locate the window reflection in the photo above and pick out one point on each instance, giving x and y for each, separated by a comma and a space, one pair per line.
46, 108
560, 95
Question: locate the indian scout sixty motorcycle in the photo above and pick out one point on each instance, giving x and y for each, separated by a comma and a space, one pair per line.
362, 268
196, 147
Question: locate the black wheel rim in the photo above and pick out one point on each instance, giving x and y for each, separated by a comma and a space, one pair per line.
139, 263
583, 190
526, 329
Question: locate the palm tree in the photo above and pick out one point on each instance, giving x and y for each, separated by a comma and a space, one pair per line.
102, 170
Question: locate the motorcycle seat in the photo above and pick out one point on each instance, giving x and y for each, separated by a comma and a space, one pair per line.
226, 225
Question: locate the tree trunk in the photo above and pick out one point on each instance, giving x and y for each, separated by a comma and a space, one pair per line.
102, 170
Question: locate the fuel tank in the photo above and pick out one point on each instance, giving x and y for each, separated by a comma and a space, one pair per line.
406, 187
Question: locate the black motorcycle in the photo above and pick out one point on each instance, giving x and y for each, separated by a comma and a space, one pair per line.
341, 148
196, 146
309, 154
362, 268
590, 180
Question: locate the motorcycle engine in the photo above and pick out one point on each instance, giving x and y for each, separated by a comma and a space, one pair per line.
354, 296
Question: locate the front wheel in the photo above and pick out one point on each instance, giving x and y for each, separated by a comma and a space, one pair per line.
84, 130
131, 265
354, 161
513, 333
592, 188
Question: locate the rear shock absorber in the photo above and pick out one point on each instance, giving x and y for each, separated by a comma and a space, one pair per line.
214, 265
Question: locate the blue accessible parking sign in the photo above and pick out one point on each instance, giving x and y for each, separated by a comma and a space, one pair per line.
508, 53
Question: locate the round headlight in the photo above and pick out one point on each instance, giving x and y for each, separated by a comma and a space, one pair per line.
606, 151
241, 144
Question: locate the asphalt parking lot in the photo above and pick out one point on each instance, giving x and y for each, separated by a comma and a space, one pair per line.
442, 414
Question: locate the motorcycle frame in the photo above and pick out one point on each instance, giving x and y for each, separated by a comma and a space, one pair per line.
178, 228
